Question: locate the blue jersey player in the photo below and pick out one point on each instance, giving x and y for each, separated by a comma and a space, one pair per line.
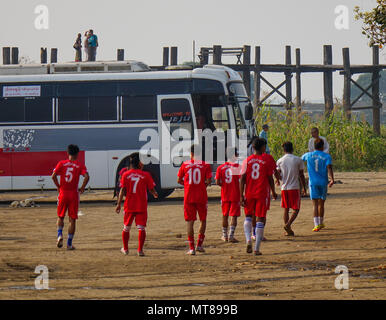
319, 166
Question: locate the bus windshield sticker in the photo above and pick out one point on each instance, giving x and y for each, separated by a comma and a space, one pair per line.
21, 91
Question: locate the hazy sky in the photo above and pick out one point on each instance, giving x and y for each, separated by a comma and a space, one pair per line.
143, 27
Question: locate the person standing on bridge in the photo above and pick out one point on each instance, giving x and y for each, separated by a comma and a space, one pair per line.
92, 45
78, 48
315, 135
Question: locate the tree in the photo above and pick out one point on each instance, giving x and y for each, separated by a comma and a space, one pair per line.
374, 21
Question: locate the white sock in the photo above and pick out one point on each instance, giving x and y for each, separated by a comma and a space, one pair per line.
248, 229
321, 219
259, 235
316, 221
232, 233
225, 232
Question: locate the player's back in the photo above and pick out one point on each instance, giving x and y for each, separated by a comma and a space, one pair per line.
317, 162
136, 183
229, 174
290, 165
195, 173
69, 172
257, 170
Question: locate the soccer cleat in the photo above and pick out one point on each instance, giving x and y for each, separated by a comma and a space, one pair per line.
191, 252
70, 248
321, 226
316, 229
125, 252
264, 239
233, 240
200, 249
140, 254
249, 247
224, 239
257, 253
289, 231
59, 243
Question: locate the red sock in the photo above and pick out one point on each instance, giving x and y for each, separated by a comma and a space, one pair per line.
125, 240
141, 239
200, 240
191, 242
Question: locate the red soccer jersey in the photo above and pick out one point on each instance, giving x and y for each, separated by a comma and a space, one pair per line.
194, 174
69, 173
229, 174
136, 183
257, 170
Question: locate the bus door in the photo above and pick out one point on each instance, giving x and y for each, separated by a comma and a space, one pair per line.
176, 135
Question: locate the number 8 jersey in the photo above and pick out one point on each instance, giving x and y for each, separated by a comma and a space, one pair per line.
257, 170
194, 174
69, 172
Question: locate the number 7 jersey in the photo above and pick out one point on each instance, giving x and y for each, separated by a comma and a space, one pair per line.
69, 173
194, 174
136, 182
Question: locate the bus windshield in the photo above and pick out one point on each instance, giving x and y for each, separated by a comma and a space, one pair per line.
238, 99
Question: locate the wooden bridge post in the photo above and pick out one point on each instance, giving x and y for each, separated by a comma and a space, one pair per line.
377, 105
217, 52
298, 82
173, 56
257, 80
247, 69
120, 54
15, 56
6, 55
347, 82
327, 81
54, 55
43, 55
165, 57
288, 76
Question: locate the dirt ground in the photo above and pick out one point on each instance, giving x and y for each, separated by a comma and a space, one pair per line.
302, 267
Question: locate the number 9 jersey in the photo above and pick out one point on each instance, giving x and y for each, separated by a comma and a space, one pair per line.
194, 174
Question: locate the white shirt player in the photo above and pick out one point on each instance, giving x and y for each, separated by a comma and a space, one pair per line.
311, 145
290, 165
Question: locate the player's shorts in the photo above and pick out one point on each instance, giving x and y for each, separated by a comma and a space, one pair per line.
257, 207
290, 199
318, 192
68, 201
139, 217
191, 209
230, 208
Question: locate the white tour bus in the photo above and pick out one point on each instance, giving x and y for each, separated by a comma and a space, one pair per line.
104, 112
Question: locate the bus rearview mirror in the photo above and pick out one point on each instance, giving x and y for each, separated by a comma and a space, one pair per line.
248, 112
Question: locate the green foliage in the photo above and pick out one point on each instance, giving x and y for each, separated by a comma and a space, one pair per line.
374, 23
353, 145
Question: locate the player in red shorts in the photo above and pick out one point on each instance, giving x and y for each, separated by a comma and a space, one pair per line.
256, 176
195, 176
69, 172
135, 183
272, 170
291, 169
228, 177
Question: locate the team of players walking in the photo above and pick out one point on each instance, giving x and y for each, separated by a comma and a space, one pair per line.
249, 185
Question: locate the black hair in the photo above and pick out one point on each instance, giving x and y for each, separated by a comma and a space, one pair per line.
73, 150
319, 144
193, 147
288, 147
134, 160
258, 144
